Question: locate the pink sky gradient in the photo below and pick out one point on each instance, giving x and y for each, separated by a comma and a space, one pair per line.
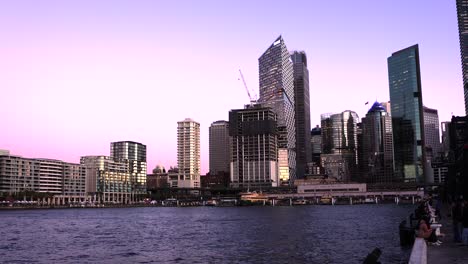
75, 76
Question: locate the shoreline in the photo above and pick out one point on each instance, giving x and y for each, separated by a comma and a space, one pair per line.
16, 208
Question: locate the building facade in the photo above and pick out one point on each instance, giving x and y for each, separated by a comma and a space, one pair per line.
462, 14
316, 146
55, 177
377, 145
339, 138
302, 112
407, 115
109, 180
188, 153
158, 179
135, 154
219, 149
254, 151
431, 131
277, 92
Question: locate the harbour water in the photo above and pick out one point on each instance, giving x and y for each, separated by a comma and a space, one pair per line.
302, 234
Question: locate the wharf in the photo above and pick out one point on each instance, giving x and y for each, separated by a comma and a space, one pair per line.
449, 251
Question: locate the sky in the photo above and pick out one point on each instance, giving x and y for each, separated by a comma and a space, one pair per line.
77, 75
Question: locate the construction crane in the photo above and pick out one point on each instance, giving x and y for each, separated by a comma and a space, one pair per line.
253, 99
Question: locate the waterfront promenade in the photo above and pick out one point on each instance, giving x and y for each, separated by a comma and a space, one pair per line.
448, 252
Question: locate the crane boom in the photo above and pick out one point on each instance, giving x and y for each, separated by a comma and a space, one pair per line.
245, 85
253, 99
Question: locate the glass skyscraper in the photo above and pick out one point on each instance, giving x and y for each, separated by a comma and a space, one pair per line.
377, 145
277, 92
462, 13
302, 112
407, 114
339, 145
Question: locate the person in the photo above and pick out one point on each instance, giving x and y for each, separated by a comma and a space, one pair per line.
465, 223
427, 233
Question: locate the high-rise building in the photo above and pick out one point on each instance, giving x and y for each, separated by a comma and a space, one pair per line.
462, 13
316, 144
18, 174
377, 145
254, 155
302, 112
431, 131
339, 145
128, 150
135, 154
407, 115
445, 127
388, 107
188, 153
277, 92
457, 181
219, 147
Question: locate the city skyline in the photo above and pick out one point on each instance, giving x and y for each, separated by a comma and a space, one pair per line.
74, 75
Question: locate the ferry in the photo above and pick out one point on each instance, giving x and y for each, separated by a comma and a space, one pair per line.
253, 197
300, 202
326, 199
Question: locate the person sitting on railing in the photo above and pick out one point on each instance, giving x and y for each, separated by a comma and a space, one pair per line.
425, 231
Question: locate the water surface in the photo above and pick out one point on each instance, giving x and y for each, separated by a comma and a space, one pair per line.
302, 234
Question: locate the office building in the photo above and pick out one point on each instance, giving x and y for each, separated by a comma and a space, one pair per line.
458, 157
302, 112
219, 149
407, 115
462, 14
277, 92
339, 145
316, 144
188, 153
445, 146
431, 131
377, 145
254, 156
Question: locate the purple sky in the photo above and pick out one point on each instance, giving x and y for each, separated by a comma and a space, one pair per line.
75, 76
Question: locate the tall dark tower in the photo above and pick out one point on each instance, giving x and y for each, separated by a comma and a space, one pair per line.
462, 13
219, 147
302, 112
277, 92
407, 115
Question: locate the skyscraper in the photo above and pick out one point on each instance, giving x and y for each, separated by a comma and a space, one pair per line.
431, 131
254, 155
219, 147
339, 145
302, 112
188, 153
277, 92
316, 145
377, 145
407, 114
462, 13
